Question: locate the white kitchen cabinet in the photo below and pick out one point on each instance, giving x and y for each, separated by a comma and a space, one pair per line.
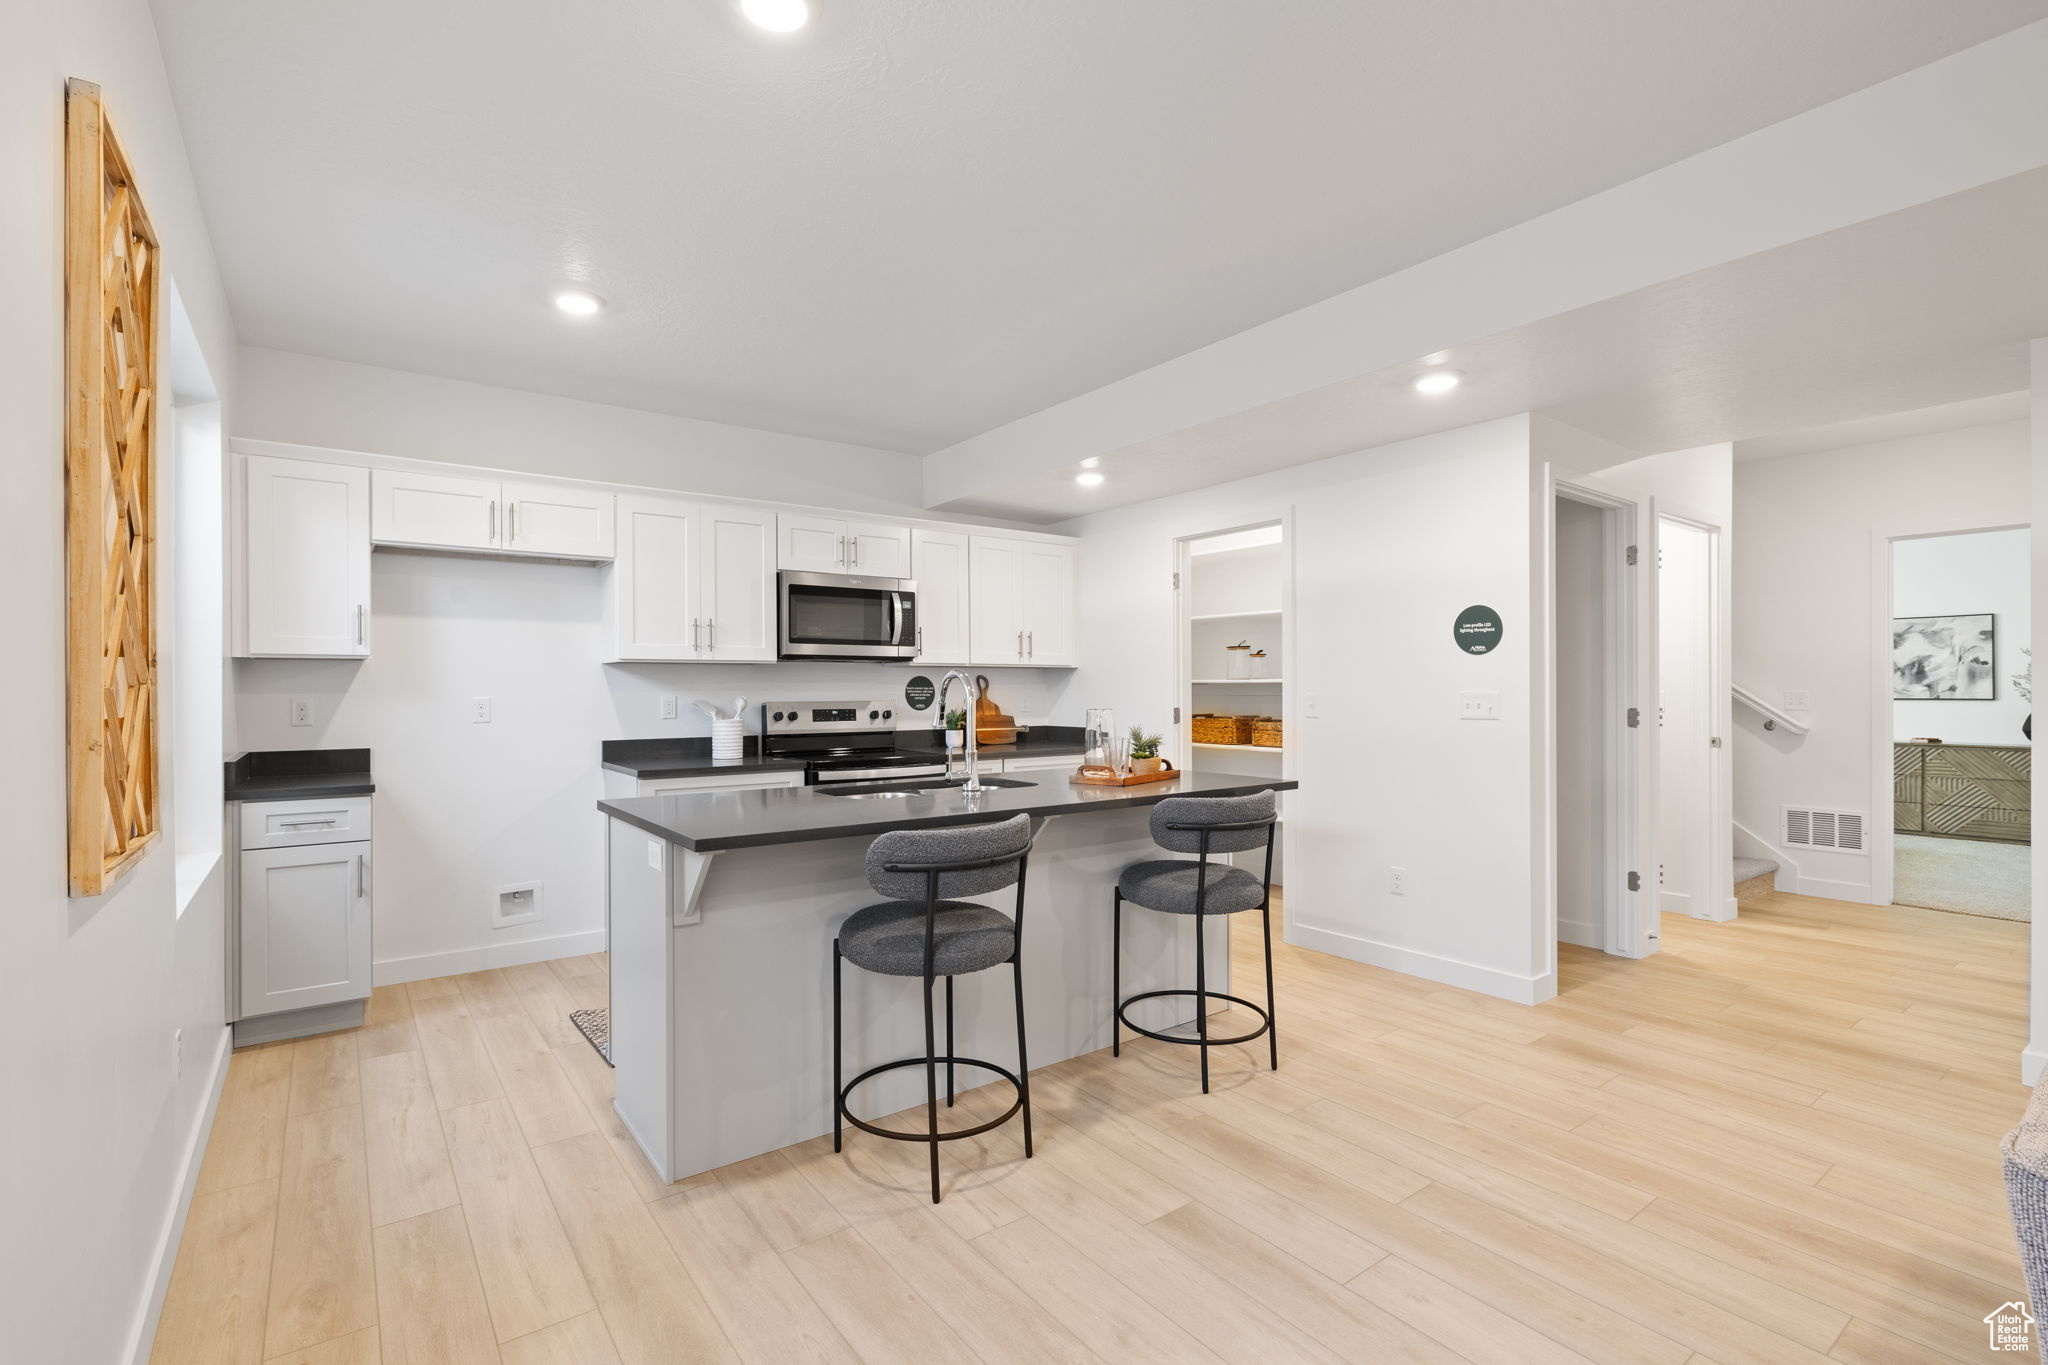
556, 519
1049, 605
1021, 601
815, 544
736, 582
1039, 763
939, 563
996, 600
305, 563
722, 782
304, 927
692, 582
441, 511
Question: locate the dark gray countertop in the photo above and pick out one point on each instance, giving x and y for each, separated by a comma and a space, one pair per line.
690, 756
298, 774
708, 822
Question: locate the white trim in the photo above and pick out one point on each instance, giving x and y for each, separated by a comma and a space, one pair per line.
391, 971
2033, 1061
1522, 990
1826, 889
142, 1336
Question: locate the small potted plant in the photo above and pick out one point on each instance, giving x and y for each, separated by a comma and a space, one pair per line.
1145, 751
956, 729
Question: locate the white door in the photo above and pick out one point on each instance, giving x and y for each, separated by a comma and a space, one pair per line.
305, 927
938, 562
811, 544
1685, 654
435, 510
1048, 596
653, 590
878, 550
736, 589
306, 559
995, 584
549, 519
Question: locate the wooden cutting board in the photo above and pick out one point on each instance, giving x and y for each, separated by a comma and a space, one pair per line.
991, 726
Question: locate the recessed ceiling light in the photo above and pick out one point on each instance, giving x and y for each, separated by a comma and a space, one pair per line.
1088, 479
577, 301
777, 16
1437, 381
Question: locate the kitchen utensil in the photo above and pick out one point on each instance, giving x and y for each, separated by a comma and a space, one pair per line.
991, 726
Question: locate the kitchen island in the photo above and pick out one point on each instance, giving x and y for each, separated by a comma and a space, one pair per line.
723, 906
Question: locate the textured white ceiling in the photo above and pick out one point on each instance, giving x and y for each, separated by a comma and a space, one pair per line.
1929, 306
918, 219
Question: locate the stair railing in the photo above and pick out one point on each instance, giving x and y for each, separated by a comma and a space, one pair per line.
1773, 717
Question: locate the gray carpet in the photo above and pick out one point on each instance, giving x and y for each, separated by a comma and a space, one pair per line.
1970, 876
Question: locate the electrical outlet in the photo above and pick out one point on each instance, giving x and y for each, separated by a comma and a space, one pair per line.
669, 709
1479, 706
480, 710
302, 711
1797, 701
1397, 880
1312, 706
654, 854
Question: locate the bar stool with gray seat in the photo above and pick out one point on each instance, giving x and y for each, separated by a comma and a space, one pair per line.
1204, 826
923, 931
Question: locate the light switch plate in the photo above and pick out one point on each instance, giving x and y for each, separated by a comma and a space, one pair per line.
1479, 706
1798, 701
1312, 706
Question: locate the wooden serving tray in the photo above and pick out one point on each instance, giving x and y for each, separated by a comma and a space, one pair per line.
1086, 779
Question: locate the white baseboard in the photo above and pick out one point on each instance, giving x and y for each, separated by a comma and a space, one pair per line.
1859, 892
393, 970
2033, 1062
143, 1335
1581, 932
1787, 878
1677, 902
1523, 990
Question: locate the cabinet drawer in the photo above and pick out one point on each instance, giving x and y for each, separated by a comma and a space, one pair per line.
289, 824
686, 786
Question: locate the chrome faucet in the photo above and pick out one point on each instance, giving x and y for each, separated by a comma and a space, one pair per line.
973, 783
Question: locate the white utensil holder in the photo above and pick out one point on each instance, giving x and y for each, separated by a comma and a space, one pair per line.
728, 741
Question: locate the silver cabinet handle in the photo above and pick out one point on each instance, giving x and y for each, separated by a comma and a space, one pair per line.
362, 624
494, 521
696, 627
511, 522
360, 879
853, 552
305, 824
710, 636
920, 642
1020, 644
1030, 644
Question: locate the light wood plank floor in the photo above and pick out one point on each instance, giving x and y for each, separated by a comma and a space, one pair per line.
1774, 1142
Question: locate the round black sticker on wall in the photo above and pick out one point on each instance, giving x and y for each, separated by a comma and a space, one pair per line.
1477, 630
918, 693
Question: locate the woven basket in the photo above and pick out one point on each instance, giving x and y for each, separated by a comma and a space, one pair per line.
1210, 729
1266, 732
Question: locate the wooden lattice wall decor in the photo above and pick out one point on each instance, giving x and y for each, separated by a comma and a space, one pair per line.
111, 268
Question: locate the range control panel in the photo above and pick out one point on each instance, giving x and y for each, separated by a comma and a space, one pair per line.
825, 717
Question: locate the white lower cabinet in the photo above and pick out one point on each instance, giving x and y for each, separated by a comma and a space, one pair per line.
724, 782
1042, 763
304, 927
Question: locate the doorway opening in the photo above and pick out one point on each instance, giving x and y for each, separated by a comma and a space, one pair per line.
1601, 767
1960, 713
1695, 872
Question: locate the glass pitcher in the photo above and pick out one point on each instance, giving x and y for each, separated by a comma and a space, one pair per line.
1101, 737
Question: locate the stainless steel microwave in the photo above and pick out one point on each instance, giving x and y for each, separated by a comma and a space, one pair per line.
846, 616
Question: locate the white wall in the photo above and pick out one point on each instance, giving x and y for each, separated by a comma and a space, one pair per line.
1810, 525
95, 1131
1955, 575
463, 807
1388, 546
2034, 455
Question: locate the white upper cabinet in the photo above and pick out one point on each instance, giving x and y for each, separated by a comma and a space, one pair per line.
996, 600
736, 583
1049, 606
437, 510
551, 519
652, 603
446, 512
305, 559
692, 582
1021, 595
938, 561
833, 545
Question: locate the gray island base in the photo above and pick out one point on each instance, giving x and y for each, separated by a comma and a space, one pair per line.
723, 906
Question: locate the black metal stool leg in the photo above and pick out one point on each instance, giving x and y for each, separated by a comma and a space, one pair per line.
1023, 1064
1272, 1027
1116, 974
931, 1086
949, 1042
1202, 995
838, 1106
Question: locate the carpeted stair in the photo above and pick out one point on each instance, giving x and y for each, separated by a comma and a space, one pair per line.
1754, 877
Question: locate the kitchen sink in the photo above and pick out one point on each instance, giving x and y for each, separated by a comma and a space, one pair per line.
924, 786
